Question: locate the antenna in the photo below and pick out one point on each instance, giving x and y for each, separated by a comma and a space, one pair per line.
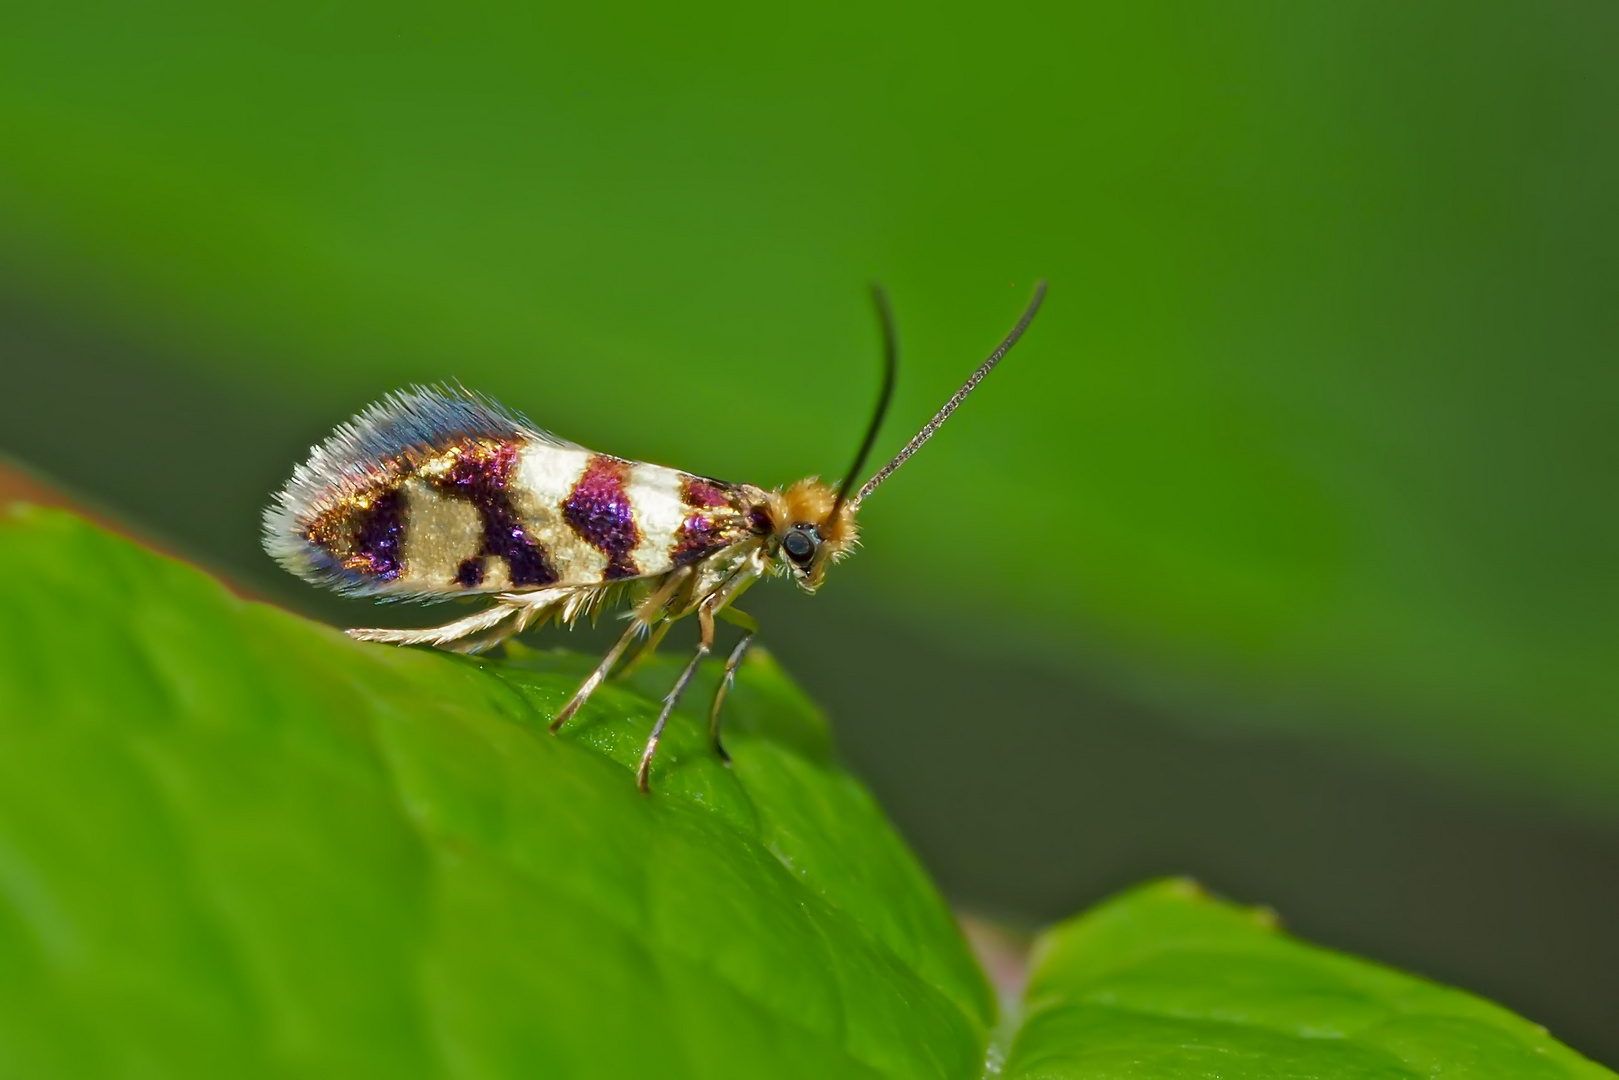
885, 316
961, 395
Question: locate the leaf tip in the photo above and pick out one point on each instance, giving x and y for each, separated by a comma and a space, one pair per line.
1265, 917
1185, 888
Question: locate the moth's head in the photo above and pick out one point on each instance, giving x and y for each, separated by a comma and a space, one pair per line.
808, 531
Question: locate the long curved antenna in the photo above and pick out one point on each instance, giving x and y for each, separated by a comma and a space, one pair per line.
961, 395
885, 316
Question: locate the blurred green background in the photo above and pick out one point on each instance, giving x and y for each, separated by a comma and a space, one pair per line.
1284, 551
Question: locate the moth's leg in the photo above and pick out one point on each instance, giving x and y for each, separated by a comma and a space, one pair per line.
525, 607
705, 624
647, 648
650, 611
724, 687
750, 627
595, 678
441, 636
481, 630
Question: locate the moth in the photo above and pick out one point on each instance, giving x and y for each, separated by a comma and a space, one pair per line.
438, 492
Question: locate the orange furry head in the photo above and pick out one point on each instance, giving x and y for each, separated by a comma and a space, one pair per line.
805, 535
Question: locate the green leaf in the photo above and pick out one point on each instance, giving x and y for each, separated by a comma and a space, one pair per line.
233, 842
1166, 982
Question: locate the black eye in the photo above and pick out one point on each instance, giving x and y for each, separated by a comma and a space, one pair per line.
800, 546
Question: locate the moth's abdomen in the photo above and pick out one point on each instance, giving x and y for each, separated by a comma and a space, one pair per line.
434, 493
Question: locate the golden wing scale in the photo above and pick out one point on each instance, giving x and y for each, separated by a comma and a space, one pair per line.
439, 492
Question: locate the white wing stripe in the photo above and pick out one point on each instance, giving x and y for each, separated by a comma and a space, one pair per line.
541, 483
654, 493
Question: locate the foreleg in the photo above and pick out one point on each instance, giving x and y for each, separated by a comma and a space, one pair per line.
731, 664
705, 624
750, 627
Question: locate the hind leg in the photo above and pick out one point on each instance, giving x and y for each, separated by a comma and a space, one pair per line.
474, 633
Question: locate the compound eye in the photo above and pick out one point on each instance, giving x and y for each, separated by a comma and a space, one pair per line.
799, 545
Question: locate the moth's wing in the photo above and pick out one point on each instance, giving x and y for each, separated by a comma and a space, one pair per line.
437, 492
358, 472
